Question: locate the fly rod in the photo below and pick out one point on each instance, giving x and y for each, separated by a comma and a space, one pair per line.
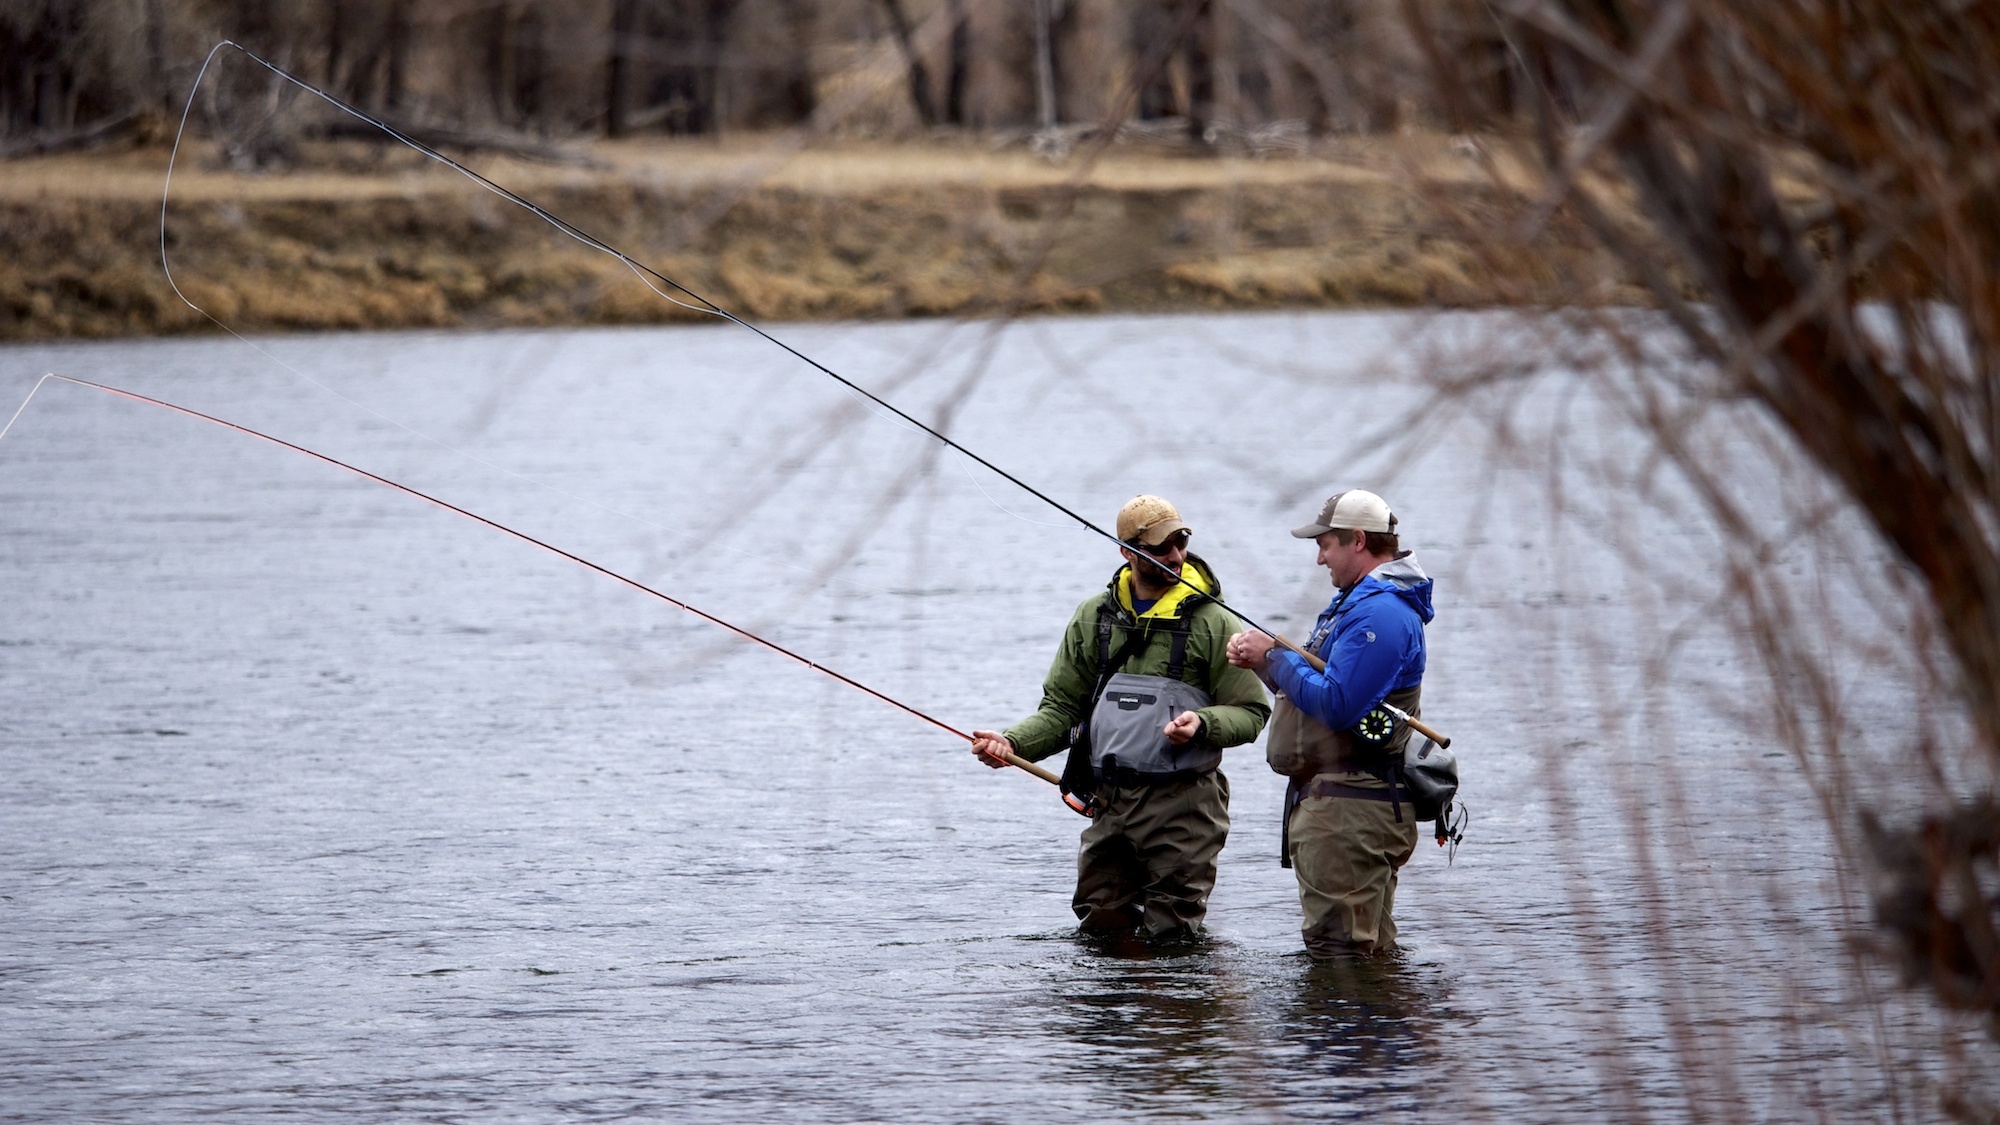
639, 268
648, 275
645, 272
1395, 712
1011, 759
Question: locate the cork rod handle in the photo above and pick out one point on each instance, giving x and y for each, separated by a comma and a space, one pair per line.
1415, 724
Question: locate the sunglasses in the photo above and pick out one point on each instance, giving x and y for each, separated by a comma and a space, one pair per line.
1178, 541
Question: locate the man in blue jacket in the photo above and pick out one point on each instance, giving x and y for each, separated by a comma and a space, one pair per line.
1349, 824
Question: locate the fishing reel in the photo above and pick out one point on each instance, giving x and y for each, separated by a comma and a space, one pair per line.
1376, 728
1087, 804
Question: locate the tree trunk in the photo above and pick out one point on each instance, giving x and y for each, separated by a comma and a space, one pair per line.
398, 47
336, 47
1045, 65
801, 94
617, 78
157, 90
920, 77
532, 68
960, 66
1200, 54
715, 37
1154, 34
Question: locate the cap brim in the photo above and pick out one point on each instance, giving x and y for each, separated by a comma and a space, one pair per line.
1310, 531
1158, 533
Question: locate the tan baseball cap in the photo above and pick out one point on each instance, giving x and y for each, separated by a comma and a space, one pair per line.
1354, 510
1148, 520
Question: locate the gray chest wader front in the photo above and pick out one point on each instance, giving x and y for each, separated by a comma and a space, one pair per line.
1301, 747
1121, 740
1127, 743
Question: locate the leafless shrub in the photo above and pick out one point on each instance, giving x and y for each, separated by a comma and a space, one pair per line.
1807, 191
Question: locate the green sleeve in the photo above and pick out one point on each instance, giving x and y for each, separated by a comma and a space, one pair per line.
1241, 708
1065, 692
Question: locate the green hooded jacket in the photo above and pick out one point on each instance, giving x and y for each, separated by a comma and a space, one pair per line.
1240, 708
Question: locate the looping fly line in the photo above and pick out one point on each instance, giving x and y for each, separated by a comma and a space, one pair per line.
646, 274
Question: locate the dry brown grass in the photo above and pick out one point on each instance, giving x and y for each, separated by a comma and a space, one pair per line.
361, 238
352, 171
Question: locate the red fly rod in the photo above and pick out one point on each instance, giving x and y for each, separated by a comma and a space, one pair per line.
654, 280
1011, 759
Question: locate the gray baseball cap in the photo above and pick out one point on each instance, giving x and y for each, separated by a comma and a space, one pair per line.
1354, 510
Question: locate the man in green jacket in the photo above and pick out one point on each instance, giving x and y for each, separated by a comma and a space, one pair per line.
1147, 860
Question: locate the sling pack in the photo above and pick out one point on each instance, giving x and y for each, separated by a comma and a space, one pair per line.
1301, 746
1426, 778
1430, 772
1425, 771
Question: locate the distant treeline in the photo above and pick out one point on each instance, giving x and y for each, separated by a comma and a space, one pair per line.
1208, 69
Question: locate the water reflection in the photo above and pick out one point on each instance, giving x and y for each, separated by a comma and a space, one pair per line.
564, 792
1151, 1021
1372, 1021
1176, 1025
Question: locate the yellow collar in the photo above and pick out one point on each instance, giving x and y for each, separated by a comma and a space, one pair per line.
1194, 581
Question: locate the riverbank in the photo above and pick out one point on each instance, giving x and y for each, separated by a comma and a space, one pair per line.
358, 236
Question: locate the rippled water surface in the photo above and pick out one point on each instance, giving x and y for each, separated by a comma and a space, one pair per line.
319, 800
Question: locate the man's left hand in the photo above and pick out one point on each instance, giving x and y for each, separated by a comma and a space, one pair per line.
1249, 650
1185, 728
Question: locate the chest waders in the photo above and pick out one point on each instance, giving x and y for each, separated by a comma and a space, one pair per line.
1121, 740
1376, 745
1423, 777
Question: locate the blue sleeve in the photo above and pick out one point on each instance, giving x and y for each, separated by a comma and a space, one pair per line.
1359, 672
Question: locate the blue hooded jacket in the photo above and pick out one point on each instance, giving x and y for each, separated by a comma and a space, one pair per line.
1372, 639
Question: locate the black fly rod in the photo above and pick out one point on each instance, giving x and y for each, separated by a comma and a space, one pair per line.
703, 304
1012, 759
645, 272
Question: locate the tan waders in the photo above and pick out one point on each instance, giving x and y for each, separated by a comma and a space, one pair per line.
1148, 860
1345, 851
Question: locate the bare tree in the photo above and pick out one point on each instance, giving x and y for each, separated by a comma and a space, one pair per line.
698, 66
1809, 192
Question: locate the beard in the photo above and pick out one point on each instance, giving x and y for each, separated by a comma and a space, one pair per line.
1149, 575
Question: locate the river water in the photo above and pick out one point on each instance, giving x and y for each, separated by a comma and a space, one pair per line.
320, 801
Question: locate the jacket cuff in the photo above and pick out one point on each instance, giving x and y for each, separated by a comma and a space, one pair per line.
1271, 662
1022, 751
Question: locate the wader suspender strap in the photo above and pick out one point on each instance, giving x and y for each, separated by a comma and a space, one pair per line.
1292, 796
1107, 665
1295, 791
1077, 776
